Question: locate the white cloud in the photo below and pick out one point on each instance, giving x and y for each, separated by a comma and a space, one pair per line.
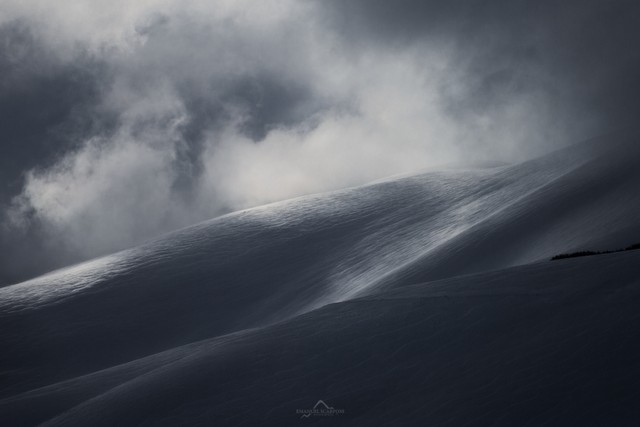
384, 111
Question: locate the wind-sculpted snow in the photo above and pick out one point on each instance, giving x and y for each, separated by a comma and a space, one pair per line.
77, 332
552, 343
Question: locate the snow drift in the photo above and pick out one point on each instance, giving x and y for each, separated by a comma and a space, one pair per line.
247, 317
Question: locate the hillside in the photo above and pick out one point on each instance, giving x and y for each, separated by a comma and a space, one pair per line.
544, 343
314, 298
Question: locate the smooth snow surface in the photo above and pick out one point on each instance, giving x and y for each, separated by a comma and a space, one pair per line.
393, 301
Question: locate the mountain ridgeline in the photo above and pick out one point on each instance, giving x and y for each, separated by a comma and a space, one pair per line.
400, 301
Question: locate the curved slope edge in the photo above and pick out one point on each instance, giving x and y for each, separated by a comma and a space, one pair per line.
257, 267
543, 343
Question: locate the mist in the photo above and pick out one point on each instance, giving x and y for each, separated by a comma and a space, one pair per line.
131, 120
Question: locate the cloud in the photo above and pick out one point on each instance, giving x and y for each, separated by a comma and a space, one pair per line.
155, 115
581, 54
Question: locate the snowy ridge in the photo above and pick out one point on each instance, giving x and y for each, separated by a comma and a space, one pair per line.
142, 319
543, 343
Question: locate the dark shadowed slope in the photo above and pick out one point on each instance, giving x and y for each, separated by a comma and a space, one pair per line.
264, 265
596, 204
544, 343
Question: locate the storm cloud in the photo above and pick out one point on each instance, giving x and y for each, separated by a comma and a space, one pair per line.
122, 121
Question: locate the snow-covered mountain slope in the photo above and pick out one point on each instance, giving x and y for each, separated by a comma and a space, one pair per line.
252, 268
551, 343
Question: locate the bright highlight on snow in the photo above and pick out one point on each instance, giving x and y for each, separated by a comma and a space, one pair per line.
418, 276
292, 212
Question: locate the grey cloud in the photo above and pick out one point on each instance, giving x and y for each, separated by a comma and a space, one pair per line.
90, 106
129, 120
42, 101
582, 54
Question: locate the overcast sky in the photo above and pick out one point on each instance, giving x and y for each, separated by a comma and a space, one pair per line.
122, 120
